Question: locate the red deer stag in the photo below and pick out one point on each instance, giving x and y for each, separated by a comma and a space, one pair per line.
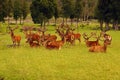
77, 36
107, 37
33, 37
99, 48
30, 35
15, 38
32, 43
69, 36
55, 44
46, 37
91, 43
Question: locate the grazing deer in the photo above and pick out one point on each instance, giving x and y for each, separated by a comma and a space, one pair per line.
15, 38
91, 43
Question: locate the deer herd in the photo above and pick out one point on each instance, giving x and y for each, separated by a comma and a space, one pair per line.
66, 34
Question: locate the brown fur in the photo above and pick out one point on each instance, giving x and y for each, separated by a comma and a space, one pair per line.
33, 37
15, 38
98, 48
55, 44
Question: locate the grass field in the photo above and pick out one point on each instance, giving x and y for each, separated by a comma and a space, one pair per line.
69, 63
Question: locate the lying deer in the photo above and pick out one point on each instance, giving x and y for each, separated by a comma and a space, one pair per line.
33, 36
90, 43
69, 36
55, 44
15, 38
99, 48
32, 43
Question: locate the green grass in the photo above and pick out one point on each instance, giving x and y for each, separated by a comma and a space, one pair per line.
69, 63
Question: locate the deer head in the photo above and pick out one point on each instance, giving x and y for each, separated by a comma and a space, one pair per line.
11, 30
85, 36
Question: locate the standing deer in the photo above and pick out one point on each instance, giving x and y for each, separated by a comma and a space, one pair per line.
77, 36
15, 38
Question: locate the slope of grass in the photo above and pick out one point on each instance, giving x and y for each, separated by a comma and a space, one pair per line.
69, 63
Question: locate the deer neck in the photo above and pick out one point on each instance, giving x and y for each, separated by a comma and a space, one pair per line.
12, 34
63, 40
105, 47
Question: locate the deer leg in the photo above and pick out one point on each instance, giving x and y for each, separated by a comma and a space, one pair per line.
59, 48
18, 43
79, 40
73, 42
13, 43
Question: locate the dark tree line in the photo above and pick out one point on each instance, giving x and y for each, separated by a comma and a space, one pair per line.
13, 9
42, 11
108, 11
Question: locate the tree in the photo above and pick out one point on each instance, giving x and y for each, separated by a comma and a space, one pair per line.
24, 9
115, 13
56, 14
88, 8
3, 10
103, 12
42, 10
78, 10
17, 10
66, 9
9, 10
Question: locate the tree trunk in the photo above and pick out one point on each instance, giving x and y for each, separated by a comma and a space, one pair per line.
16, 22
101, 25
116, 25
107, 27
41, 23
44, 25
63, 20
55, 21
66, 20
20, 20
23, 21
84, 17
71, 21
48, 22
77, 23
8, 21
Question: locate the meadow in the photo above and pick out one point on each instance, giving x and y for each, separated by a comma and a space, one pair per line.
72, 62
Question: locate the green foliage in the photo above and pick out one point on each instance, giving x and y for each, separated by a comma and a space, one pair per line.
9, 8
42, 10
67, 8
115, 10
108, 10
3, 10
78, 9
17, 10
25, 9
